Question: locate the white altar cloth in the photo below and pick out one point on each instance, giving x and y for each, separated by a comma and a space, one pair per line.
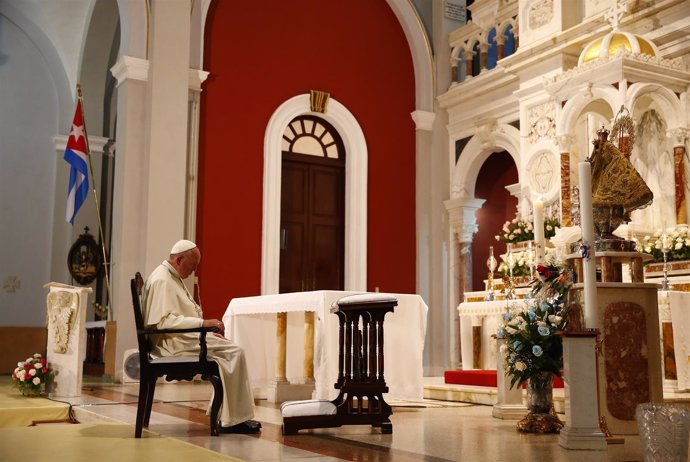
250, 322
488, 315
680, 317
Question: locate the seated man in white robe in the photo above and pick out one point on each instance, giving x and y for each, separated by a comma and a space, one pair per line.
167, 304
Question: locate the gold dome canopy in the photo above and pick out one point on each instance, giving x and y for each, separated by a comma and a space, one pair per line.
609, 45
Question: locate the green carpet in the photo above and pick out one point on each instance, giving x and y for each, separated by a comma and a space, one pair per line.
20, 411
102, 442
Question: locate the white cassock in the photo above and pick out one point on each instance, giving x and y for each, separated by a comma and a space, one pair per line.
168, 305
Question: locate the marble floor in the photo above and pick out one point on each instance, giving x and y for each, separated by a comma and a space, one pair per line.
431, 430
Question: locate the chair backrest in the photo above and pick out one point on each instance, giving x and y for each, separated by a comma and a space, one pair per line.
136, 286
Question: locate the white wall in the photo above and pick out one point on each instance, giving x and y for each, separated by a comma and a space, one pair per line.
28, 119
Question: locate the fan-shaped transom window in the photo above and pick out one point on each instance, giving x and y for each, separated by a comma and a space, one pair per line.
312, 136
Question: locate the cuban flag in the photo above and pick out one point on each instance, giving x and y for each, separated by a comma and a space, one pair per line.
75, 155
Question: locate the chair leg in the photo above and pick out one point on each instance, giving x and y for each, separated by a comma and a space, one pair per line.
149, 401
216, 403
141, 407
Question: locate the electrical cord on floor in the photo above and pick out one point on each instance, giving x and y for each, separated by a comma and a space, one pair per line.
70, 411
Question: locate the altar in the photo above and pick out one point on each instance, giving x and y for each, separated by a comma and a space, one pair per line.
479, 320
251, 323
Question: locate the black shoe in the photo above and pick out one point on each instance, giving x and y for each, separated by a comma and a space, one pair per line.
248, 427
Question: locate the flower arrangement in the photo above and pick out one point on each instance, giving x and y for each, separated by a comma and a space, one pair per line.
516, 230
31, 374
530, 327
519, 230
521, 262
676, 243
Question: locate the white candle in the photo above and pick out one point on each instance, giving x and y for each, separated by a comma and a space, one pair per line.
538, 226
587, 225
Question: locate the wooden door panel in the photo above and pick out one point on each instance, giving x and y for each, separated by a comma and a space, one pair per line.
326, 257
326, 193
294, 189
312, 215
292, 261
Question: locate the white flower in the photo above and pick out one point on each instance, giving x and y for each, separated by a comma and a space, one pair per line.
38, 366
32, 372
498, 238
21, 374
678, 246
36, 380
511, 330
37, 355
520, 366
511, 237
549, 227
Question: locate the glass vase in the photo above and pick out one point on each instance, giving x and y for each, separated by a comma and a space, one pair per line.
664, 431
31, 392
540, 393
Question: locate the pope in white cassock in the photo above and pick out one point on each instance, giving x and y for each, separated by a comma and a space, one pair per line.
167, 304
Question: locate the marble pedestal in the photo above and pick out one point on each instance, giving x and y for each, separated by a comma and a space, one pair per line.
66, 337
629, 356
581, 430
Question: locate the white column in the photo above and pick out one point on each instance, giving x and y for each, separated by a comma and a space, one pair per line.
463, 224
128, 191
509, 401
538, 226
581, 430
151, 157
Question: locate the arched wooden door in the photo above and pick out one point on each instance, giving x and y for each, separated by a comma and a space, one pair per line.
312, 208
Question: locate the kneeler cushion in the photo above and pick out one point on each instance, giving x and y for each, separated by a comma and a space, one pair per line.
307, 408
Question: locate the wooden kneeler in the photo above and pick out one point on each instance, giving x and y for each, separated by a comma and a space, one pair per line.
360, 371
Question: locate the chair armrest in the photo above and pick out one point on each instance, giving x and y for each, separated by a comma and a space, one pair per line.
202, 336
154, 331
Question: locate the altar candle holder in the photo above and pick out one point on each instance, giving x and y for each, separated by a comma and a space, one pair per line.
510, 290
665, 285
531, 258
491, 263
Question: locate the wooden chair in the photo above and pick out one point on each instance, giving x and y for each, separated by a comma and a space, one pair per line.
172, 367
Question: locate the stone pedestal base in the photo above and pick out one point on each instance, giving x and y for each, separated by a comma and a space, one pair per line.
509, 411
279, 392
582, 438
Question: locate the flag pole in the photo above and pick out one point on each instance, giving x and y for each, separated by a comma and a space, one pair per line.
98, 209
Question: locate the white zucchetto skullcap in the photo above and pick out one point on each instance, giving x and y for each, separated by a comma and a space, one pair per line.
182, 246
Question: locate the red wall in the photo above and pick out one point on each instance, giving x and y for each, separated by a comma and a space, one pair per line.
498, 171
262, 53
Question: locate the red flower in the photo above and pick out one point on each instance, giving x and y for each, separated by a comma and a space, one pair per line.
44, 370
27, 366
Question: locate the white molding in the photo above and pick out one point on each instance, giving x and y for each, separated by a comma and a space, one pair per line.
355, 191
196, 78
129, 67
501, 137
420, 48
96, 143
424, 120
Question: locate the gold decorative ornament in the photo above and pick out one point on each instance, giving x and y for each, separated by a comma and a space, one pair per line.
623, 131
318, 101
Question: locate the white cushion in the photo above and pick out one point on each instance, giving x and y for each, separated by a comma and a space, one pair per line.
363, 298
307, 407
